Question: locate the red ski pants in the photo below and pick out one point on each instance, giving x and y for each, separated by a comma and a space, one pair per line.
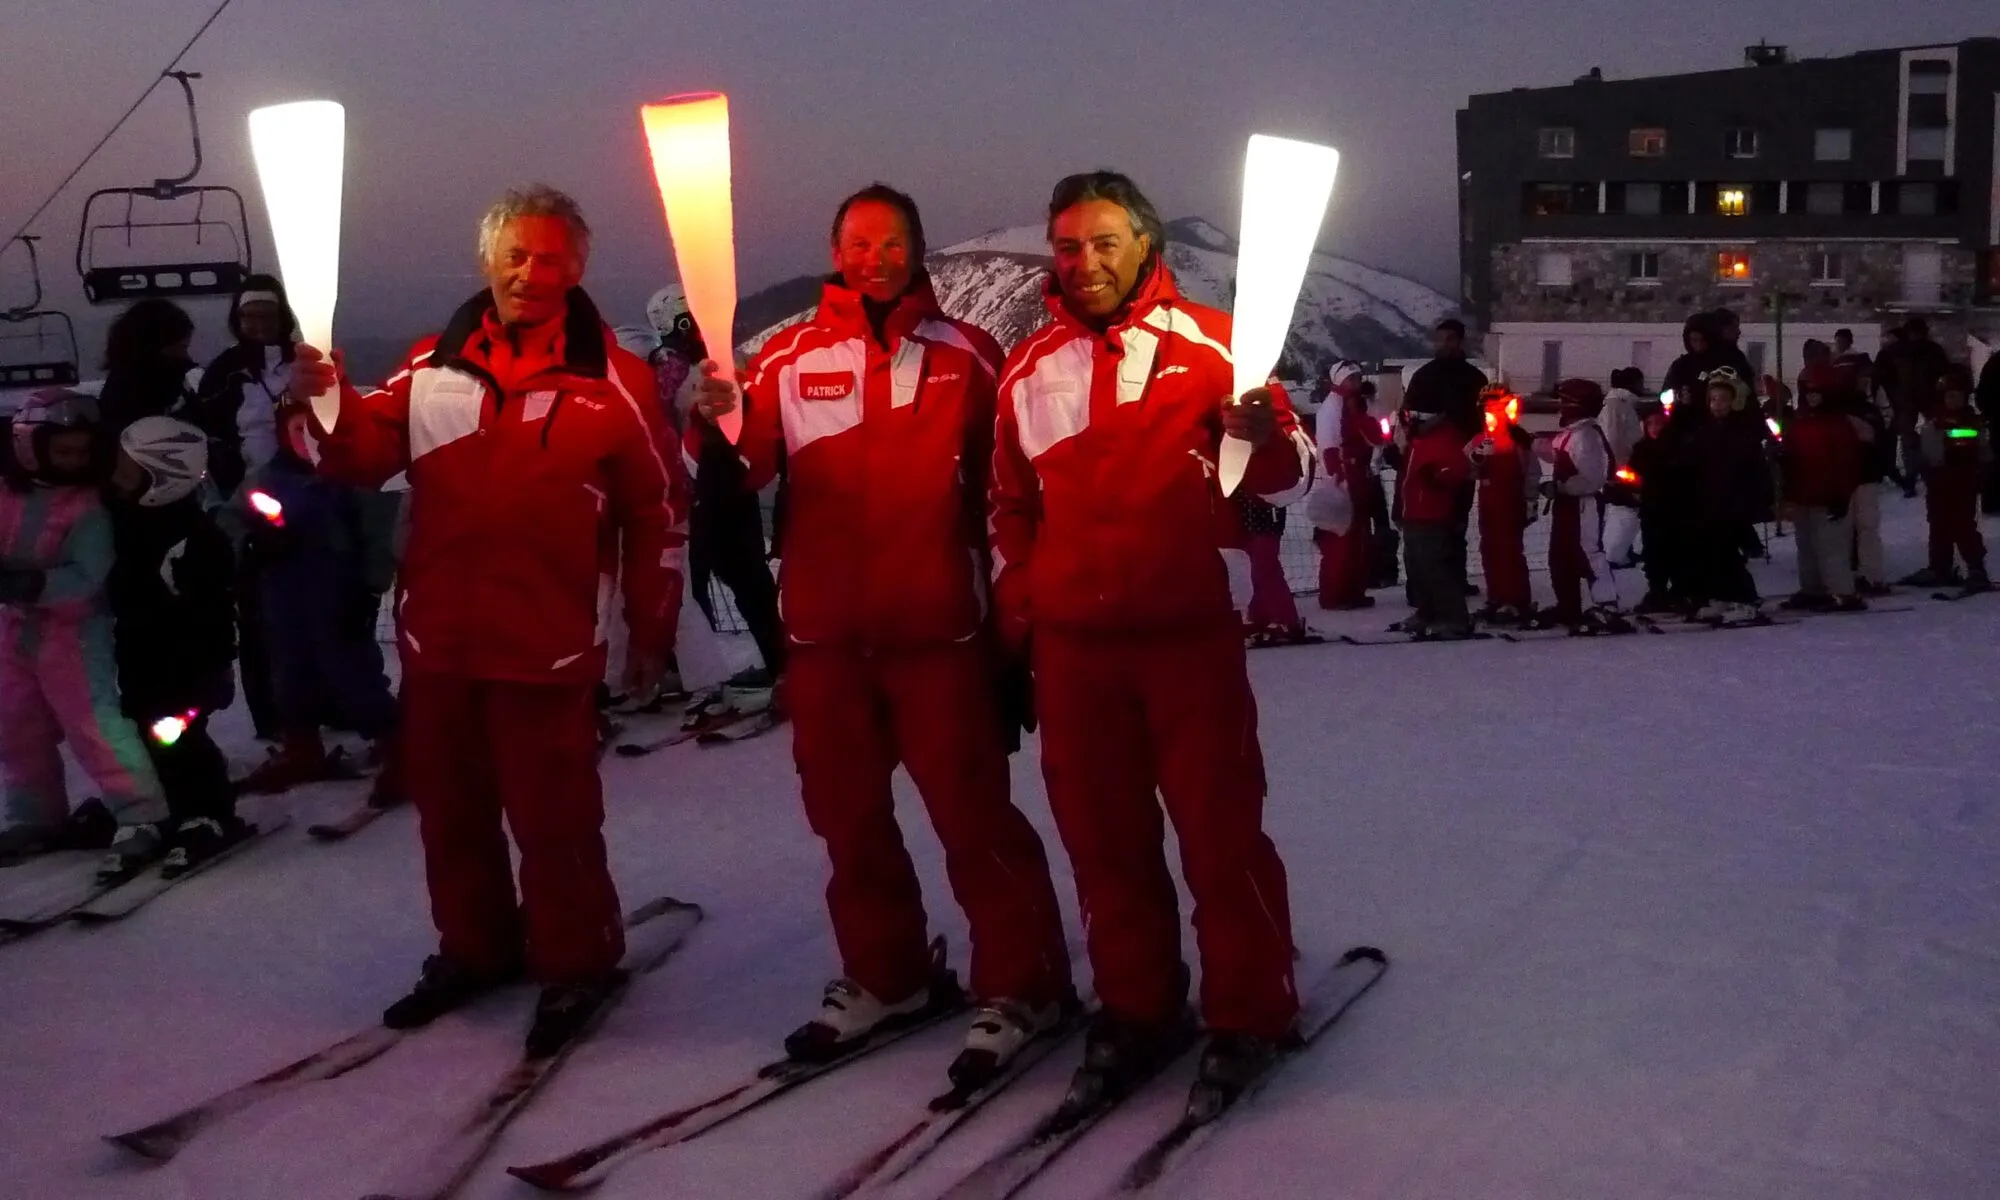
855, 716
477, 752
1502, 554
1576, 556
1121, 718
1343, 565
1271, 603
1952, 508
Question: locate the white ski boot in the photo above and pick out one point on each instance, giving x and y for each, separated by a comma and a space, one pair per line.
1000, 1029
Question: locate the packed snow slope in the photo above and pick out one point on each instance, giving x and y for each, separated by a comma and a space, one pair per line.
1702, 915
1345, 309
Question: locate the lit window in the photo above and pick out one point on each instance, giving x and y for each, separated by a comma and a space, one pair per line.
1732, 201
1554, 269
1644, 265
1833, 145
1650, 142
1557, 141
1826, 199
1642, 199
1829, 268
1927, 145
1732, 266
1740, 143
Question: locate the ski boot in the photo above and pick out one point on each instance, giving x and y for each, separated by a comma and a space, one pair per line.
1929, 577
89, 826
1230, 1063
1808, 602
1443, 633
1504, 615
1847, 604
1000, 1030
849, 1016
1976, 581
133, 849
564, 1009
1118, 1055
1603, 621
442, 987
301, 759
199, 839
1656, 602
1871, 590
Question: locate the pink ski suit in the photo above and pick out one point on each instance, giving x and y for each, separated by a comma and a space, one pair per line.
58, 676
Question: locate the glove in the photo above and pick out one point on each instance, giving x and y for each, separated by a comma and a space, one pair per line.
1547, 490
21, 585
1014, 697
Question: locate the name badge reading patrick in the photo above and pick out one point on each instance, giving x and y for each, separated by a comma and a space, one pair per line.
826, 385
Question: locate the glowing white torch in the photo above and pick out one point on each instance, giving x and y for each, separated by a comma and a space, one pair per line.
300, 151
1286, 187
688, 138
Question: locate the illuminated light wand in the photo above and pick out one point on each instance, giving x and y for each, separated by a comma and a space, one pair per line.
688, 139
1286, 188
301, 152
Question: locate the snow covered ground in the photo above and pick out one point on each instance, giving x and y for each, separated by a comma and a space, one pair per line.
1707, 915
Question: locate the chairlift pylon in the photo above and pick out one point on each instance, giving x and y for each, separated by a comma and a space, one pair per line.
221, 252
49, 358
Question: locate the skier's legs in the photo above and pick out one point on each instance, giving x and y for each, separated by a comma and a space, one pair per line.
1202, 722
253, 652
1836, 565
194, 774
1595, 562
1943, 535
1963, 505
1567, 567
357, 683
941, 706
451, 775
701, 556
543, 742
1271, 602
1866, 510
1097, 765
1621, 531
1811, 527
30, 738
79, 676
1505, 556
841, 746
740, 564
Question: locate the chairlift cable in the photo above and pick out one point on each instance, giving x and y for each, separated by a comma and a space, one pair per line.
119, 124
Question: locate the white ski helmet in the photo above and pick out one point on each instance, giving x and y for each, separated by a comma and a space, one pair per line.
667, 304
174, 454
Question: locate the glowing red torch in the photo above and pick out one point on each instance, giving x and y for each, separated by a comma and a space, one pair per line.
688, 138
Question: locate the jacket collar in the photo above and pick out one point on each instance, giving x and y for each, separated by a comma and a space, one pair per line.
843, 310
583, 332
1155, 289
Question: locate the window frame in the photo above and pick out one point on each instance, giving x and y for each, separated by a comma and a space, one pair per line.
1543, 141
1846, 132
1640, 137
1822, 278
1732, 143
1730, 279
1636, 260
1543, 259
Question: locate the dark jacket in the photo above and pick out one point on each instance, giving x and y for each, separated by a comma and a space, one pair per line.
1665, 478
219, 398
173, 608
1909, 370
1451, 387
1732, 477
1987, 394
153, 389
1684, 376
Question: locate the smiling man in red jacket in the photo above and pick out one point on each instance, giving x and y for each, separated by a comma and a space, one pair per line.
539, 487
1120, 561
883, 408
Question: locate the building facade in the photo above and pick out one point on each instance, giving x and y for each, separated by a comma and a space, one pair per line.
1805, 196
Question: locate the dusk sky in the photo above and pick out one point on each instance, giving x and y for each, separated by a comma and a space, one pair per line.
976, 108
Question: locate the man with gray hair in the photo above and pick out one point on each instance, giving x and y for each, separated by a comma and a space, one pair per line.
540, 486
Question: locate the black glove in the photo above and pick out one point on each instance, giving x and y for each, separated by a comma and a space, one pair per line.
21, 585
1014, 697
1547, 490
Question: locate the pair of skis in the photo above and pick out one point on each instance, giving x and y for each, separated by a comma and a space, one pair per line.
1004, 1174
95, 901
736, 728
659, 927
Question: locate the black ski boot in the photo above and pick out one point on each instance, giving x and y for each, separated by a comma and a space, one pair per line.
1230, 1063
199, 839
564, 1009
443, 987
1119, 1055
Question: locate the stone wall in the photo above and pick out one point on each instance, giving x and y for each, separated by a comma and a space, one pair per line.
1602, 290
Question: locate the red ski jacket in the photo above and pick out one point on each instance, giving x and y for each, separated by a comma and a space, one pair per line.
887, 439
1106, 512
1822, 457
538, 475
1435, 468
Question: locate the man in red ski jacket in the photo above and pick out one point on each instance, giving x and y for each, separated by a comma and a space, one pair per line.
1116, 552
883, 408
540, 485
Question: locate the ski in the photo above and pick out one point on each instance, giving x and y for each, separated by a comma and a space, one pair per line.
702, 728
1398, 638
442, 1171
1311, 637
740, 730
128, 896
165, 1138
1358, 971
1957, 594
342, 828
592, 1165
1760, 621
942, 1116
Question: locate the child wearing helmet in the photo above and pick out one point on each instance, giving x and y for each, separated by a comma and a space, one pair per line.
1504, 459
173, 605
1436, 468
1344, 491
1581, 466
58, 676
1732, 484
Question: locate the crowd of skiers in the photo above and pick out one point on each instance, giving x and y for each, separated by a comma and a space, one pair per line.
974, 544
1678, 479
151, 534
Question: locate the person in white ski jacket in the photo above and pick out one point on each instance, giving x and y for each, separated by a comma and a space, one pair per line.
1581, 463
1623, 428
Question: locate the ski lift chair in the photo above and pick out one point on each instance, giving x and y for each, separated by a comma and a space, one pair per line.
220, 258
37, 345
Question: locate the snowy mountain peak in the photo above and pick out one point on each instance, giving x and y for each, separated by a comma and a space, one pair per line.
1199, 231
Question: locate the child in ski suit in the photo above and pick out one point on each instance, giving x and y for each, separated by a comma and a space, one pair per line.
58, 676
324, 559
1580, 466
1623, 427
1272, 618
1956, 450
1344, 494
1820, 456
1649, 483
1509, 475
1435, 470
1732, 484
174, 612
